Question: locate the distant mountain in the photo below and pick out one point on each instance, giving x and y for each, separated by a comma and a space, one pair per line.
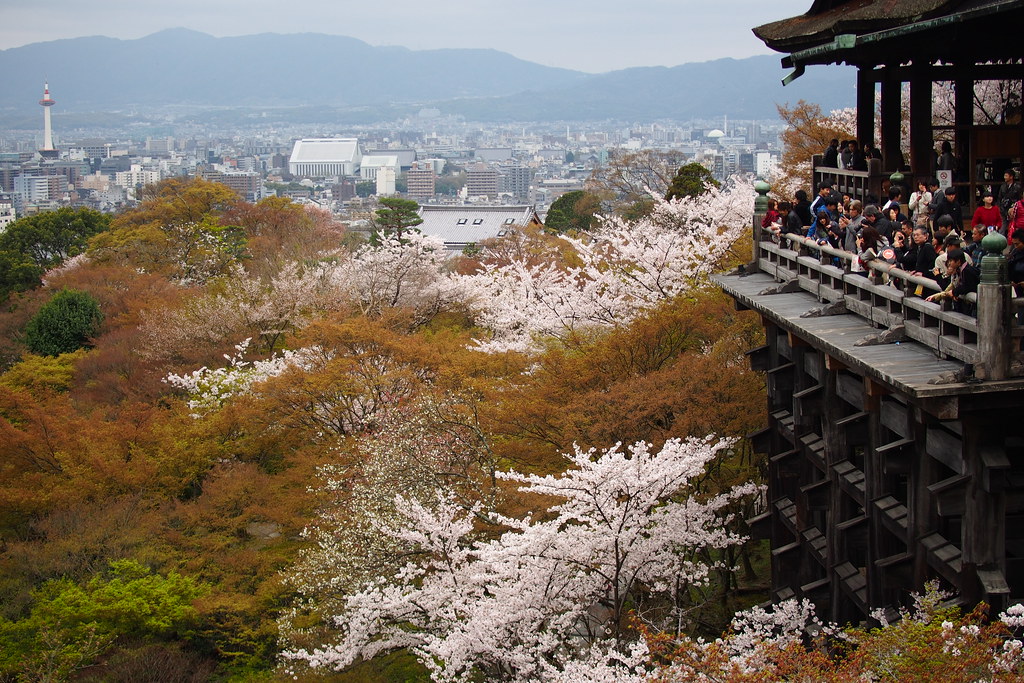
742, 88
184, 67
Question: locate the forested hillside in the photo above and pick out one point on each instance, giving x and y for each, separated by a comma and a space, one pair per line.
240, 443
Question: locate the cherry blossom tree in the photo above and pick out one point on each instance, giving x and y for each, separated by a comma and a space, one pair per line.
628, 532
931, 639
623, 267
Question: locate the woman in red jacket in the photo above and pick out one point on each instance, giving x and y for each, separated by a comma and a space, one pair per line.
987, 214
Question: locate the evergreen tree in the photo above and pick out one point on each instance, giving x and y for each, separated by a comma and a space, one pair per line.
395, 216
691, 180
64, 324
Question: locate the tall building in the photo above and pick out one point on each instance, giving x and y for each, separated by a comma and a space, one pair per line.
248, 184
421, 181
385, 178
47, 102
481, 180
515, 180
7, 213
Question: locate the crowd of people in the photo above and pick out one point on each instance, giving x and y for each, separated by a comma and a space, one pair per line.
928, 237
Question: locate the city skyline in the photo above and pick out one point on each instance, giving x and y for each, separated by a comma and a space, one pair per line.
593, 37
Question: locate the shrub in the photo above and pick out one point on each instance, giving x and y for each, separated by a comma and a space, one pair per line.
64, 324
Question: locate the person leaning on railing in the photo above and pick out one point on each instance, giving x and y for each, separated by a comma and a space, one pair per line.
869, 245
1015, 262
963, 280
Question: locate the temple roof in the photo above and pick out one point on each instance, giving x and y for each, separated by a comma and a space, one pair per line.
827, 18
875, 31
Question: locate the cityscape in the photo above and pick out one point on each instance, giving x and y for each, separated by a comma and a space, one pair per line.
432, 159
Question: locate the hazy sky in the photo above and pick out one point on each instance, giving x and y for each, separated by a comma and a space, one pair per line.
588, 35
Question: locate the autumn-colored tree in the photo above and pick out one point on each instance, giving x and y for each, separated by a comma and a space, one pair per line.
280, 231
176, 230
808, 132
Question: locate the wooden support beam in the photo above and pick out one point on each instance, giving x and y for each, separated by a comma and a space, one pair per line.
760, 358
833, 364
891, 115
866, 105
948, 495
817, 494
922, 158
795, 341
897, 456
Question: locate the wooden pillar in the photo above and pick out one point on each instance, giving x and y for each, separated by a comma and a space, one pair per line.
963, 117
874, 487
995, 311
921, 156
923, 518
866, 106
891, 114
983, 534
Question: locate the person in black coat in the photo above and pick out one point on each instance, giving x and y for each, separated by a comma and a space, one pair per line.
831, 156
919, 259
873, 217
803, 207
949, 206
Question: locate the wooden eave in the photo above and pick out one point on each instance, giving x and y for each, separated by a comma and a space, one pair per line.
925, 32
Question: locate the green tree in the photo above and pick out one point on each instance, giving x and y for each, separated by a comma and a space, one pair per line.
691, 180
574, 210
364, 188
64, 324
395, 216
33, 244
69, 625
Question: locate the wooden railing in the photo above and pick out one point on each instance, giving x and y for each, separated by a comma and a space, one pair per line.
894, 299
857, 184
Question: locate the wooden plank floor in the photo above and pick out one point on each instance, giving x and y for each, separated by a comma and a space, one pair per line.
907, 366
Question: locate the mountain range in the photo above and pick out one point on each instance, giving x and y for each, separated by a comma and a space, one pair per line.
352, 79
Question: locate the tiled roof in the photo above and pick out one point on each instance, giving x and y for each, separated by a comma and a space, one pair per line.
827, 19
459, 226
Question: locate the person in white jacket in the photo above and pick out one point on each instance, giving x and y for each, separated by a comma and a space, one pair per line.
919, 202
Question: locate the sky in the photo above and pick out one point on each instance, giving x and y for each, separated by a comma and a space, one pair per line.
587, 35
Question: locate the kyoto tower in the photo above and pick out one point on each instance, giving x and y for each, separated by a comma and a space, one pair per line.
46, 103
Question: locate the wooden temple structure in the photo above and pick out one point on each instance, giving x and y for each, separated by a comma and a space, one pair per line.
894, 448
917, 44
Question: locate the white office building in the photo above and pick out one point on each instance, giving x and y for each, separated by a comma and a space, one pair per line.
371, 165
325, 157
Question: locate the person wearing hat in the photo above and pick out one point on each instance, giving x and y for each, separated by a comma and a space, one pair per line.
988, 213
949, 206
